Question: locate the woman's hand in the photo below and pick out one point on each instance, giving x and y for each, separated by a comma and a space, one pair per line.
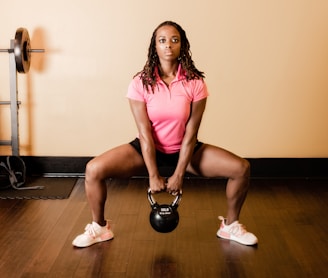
174, 184
157, 184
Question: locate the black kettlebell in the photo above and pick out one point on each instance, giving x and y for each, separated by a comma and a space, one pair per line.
164, 218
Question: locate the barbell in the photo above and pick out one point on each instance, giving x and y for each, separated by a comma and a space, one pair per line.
22, 50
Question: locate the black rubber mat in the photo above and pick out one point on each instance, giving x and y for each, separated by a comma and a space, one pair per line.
54, 188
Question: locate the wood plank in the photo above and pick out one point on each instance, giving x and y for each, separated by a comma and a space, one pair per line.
288, 216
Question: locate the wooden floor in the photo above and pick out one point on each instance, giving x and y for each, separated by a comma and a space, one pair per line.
288, 216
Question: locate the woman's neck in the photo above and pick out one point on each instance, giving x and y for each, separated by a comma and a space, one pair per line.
168, 70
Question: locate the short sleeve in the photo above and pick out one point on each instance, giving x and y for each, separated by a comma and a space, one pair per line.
200, 90
136, 90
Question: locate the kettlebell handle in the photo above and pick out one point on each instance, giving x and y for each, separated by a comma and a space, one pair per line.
174, 204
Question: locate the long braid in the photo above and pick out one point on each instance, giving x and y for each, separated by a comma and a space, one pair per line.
148, 76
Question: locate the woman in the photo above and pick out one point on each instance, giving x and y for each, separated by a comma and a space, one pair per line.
167, 99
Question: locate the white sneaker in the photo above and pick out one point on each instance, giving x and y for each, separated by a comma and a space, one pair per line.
94, 233
237, 232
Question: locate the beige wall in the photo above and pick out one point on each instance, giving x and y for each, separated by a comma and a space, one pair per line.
266, 64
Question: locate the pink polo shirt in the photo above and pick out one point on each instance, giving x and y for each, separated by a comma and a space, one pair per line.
168, 107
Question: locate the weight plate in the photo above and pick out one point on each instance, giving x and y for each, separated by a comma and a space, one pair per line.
22, 50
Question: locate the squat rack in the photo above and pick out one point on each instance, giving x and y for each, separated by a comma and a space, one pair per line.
19, 61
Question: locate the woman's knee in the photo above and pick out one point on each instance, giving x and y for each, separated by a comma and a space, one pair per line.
243, 169
94, 170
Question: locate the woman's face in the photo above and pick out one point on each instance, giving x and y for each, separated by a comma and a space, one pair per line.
168, 43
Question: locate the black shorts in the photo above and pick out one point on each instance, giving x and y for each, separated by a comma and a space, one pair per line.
164, 159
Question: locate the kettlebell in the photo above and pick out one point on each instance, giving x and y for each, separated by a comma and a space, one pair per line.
164, 218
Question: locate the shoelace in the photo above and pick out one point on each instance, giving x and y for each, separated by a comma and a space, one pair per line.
238, 229
235, 228
89, 230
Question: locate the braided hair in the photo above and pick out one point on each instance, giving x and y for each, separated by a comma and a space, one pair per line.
147, 74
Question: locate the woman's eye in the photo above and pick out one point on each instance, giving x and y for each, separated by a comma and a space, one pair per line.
175, 40
161, 40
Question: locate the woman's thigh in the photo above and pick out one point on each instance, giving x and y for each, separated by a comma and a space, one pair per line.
120, 162
212, 161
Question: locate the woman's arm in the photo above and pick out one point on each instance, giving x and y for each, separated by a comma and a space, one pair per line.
188, 145
139, 111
